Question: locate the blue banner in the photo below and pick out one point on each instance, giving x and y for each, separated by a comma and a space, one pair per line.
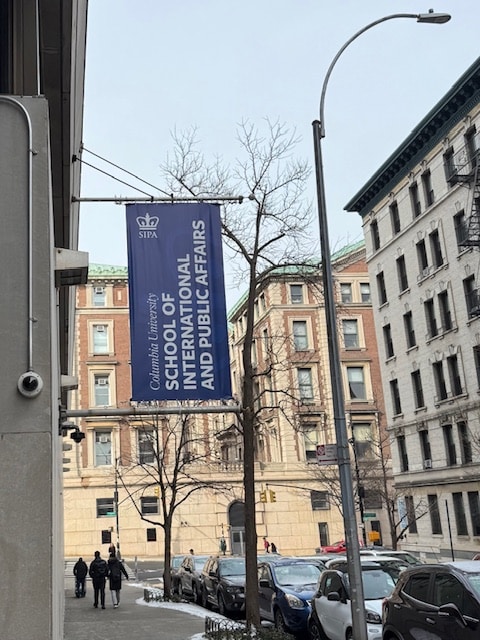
178, 322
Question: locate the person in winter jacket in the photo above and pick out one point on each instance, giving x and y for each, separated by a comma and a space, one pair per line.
80, 571
115, 570
98, 572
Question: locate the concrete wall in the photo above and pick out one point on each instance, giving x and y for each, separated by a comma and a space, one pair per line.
31, 588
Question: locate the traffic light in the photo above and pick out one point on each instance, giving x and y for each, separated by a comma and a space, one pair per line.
106, 536
263, 496
273, 496
156, 490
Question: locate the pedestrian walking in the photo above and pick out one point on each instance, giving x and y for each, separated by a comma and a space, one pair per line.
98, 572
115, 570
273, 547
266, 545
80, 571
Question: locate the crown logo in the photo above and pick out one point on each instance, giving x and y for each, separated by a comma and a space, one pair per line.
147, 222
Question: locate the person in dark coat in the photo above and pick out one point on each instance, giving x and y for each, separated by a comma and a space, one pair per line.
115, 570
98, 572
80, 571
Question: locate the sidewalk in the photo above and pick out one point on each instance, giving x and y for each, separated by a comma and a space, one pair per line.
130, 621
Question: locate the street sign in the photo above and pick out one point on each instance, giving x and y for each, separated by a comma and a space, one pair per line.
369, 515
327, 454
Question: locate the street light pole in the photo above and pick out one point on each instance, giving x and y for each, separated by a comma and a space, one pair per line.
359, 625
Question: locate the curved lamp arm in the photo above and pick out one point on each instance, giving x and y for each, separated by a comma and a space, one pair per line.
431, 17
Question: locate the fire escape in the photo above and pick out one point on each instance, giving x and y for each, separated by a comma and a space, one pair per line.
464, 168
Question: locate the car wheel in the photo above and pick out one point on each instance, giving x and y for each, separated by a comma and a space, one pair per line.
280, 621
349, 635
205, 602
315, 631
222, 609
195, 594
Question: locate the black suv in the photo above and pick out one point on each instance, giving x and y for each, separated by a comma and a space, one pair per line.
223, 583
437, 601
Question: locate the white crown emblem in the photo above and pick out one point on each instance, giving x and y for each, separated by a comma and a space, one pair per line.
147, 222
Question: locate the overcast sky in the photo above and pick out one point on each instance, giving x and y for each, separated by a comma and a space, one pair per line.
158, 65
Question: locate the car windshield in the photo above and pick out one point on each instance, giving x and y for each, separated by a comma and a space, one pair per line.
474, 580
177, 561
377, 584
199, 563
233, 567
297, 574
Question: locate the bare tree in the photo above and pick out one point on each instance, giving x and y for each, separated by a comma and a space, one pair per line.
268, 230
173, 459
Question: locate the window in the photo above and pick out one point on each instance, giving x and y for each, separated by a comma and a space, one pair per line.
417, 389
365, 292
415, 200
105, 507
461, 230
320, 500
346, 292
356, 383
387, 338
439, 379
474, 504
471, 143
409, 330
296, 293
450, 451
454, 376
382, 290
425, 446
149, 504
372, 500
471, 296
445, 313
375, 235
422, 258
402, 453
395, 218
151, 535
300, 338
411, 515
362, 437
402, 274
427, 188
103, 448
449, 166
465, 443
350, 334
100, 339
310, 440
476, 358
305, 386
432, 329
102, 390
99, 297
459, 510
323, 534
395, 393
436, 249
434, 514
146, 452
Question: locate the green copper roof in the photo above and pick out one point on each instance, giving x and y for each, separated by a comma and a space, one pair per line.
106, 271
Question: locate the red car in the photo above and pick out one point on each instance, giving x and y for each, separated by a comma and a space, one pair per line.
336, 547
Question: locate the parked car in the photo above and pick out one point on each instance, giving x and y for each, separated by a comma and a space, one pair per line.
331, 615
223, 584
190, 577
393, 566
336, 547
175, 563
285, 589
435, 601
402, 555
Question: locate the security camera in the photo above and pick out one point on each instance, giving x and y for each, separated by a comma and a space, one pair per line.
77, 436
30, 384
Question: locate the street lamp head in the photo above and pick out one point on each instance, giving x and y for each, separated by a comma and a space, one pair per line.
433, 18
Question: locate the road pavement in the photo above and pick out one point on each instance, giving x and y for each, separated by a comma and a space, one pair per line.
130, 621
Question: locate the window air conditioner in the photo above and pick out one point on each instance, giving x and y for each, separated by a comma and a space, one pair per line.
100, 328
104, 439
102, 382
427, 464
99, 290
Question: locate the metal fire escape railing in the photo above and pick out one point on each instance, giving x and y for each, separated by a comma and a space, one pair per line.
464, 167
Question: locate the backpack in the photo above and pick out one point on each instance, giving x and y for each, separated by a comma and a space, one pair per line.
101, 569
